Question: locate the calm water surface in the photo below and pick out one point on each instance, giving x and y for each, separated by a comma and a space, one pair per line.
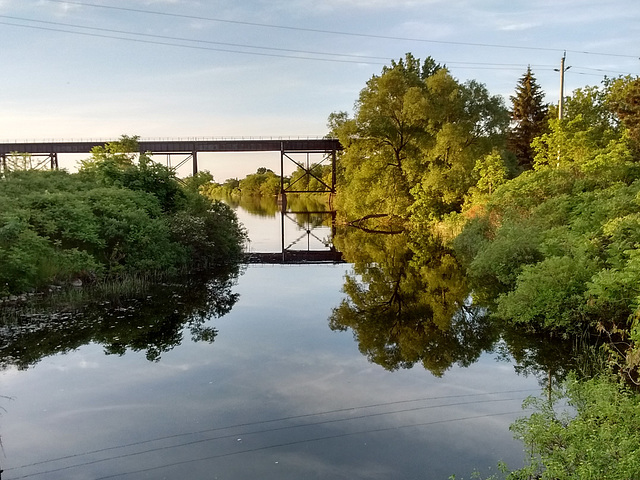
275, 394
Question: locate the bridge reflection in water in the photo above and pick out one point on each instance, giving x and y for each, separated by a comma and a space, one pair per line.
299, 251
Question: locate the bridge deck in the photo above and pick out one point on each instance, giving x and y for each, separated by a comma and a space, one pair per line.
175, 146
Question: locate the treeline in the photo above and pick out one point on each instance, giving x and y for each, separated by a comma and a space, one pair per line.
266, 183
114, 216
541, 213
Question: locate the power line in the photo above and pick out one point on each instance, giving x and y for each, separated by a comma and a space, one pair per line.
182, 39
344, 58
336, 32
195, 47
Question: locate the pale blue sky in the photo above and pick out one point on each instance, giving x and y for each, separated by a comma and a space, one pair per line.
57, 84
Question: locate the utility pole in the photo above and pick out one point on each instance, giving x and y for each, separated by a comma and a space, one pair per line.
561, 70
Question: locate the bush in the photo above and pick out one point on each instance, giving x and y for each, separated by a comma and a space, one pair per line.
601, 441
112, 217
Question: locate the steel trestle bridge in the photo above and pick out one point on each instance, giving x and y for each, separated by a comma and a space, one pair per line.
51, 149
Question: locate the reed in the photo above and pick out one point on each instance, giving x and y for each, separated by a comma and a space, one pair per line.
71, 298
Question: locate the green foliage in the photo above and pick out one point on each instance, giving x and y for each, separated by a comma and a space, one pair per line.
198, 182
112, 217
145, 176
549, 293
414, 141
28, 260
491, 172
589, 139
577, 248
229, 189
625, 102
556, 247
262, 183
211, 237
121, 153
601, 441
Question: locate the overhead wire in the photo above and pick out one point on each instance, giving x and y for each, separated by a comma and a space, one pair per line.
318, 55
183, 39
196, 47
334, 32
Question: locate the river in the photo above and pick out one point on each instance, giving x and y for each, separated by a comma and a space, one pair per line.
251, 382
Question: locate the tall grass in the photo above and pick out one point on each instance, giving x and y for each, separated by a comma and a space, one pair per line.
73, 298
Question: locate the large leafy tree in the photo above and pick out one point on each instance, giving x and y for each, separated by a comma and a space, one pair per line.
416, 134
382, 141
528, 117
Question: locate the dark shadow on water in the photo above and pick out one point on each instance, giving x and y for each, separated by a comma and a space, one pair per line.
154, 322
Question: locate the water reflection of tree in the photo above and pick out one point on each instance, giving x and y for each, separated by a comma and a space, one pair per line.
405, 309
267, 206
550, 358
155, 323
407, 302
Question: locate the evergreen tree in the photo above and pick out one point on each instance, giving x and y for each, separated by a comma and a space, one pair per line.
528, 117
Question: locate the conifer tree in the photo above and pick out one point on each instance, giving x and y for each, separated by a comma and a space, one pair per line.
528, 119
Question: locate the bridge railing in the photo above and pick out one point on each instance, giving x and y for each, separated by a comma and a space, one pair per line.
164, 139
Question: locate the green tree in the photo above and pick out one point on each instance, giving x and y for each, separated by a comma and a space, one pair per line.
199, 181
416, 135
625, 102
122, 153
263, 182
491, 172
119, 170
528, 119
589, 139
381, 141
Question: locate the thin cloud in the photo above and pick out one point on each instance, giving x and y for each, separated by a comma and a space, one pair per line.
518, 27
330, 6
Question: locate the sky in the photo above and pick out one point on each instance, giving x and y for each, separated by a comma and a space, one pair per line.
98, 69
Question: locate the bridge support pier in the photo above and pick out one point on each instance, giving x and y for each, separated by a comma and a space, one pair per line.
194, 156
281, 201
